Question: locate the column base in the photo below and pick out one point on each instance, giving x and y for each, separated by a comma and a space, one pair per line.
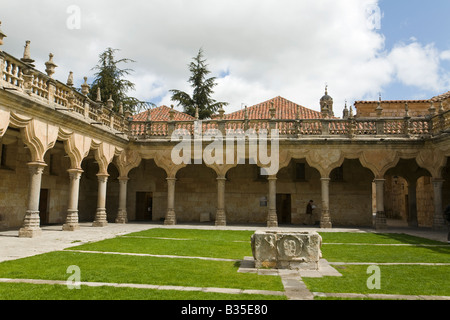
100, 218
170, 219
99, 223
221, 220
71, 227
325, 220
31, 225
380, 221
71, 221
272, 219
30, 232
122, 217
326, 225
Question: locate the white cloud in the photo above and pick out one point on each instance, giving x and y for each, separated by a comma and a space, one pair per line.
417, 65
268, 47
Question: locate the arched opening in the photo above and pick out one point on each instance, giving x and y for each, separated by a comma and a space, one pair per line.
351, 195
54, 195
88, 188
246, 195
147, 192
298, 183
408, 195
196, 194
14, 179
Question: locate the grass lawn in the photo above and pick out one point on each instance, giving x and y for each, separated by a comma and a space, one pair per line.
394, 279
113, 268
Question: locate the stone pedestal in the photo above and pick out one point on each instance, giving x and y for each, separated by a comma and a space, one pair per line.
286, 250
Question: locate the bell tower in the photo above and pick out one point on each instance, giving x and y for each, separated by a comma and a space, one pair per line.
326, 104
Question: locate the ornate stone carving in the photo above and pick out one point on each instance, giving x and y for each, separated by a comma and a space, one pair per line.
286, 250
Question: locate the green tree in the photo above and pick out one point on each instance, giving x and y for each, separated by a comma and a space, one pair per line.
110, 78
203, 89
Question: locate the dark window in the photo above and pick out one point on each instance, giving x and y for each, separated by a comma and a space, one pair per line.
338, 174
300, 171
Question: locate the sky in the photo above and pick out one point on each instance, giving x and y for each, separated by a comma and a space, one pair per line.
257, 49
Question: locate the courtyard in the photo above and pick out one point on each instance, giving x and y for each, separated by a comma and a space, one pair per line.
140, 261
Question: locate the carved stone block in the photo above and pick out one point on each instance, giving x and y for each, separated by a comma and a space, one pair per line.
286, 250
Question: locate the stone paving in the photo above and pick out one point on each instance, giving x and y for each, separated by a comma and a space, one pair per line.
53, 239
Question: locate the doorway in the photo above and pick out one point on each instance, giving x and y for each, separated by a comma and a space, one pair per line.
144, 206
43, 206
284, 208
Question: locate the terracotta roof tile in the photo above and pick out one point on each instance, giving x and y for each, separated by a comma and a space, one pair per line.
162, 114
284, 110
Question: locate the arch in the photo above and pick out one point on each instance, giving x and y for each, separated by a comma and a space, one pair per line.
325, 160
379, 161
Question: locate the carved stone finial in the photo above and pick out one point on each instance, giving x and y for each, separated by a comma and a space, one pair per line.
406, 110
222, 112
196, 112
2, 35
26, 54
110, 103
121, 108
70, 79
272, 110
99, 95
171, 113
379, 109
50, 66
85, 87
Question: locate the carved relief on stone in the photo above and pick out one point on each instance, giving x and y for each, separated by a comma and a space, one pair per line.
325, 160
289, 247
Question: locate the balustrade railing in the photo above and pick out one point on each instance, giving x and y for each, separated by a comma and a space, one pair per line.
342, 128
16, 75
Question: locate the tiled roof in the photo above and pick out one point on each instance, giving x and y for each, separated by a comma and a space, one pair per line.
162, 114
284, 110
392, 101
441, 97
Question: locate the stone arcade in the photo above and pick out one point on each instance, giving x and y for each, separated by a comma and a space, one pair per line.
65, 158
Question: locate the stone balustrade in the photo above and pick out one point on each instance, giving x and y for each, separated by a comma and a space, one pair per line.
21, 77
406, 127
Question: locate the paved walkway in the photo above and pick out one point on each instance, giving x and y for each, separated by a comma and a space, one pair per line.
54, 239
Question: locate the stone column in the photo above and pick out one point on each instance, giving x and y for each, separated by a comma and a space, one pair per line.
100, 216
325, 219
72, 210
171, 218
438, 219
412, 204
31, 222
221, 219
380, 218
122, 216
272, 218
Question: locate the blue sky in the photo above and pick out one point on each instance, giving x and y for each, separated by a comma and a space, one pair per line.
407, 21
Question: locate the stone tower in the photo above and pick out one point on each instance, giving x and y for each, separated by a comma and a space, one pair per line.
326, 104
